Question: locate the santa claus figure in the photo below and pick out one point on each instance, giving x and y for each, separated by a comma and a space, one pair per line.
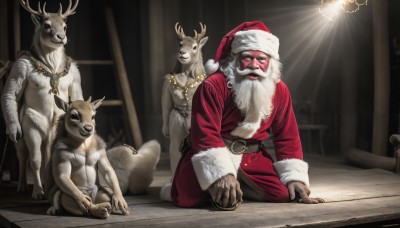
233, 111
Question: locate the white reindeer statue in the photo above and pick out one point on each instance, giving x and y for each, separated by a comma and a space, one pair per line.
83, 178
178, 89
27, 101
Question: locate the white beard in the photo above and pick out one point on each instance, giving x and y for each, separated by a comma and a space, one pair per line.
253, 97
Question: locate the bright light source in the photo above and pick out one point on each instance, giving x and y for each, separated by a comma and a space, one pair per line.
330, 9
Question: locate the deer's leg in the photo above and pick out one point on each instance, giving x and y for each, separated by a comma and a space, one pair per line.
102, 207
69, 204
176, 134
34, 140
22, 154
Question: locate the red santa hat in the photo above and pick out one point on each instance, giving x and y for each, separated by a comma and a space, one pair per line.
247, 36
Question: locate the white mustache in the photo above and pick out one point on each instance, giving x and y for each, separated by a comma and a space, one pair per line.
247, 71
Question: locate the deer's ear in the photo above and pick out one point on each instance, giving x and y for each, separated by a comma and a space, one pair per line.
61, 104
97, 103
36, 19
203, 41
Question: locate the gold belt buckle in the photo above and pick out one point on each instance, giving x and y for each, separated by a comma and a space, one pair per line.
232, 147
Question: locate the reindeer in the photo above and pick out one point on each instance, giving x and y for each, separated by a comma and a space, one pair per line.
27, 100
179, 87
79, 155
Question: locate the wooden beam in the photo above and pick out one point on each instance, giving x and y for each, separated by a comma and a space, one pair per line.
381, 77
3, 31
369, 160
17, 29
122, 79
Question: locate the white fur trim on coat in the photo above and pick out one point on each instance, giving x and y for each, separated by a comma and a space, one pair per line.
292, 170
211, 66
212, 164
246, 130
256, 40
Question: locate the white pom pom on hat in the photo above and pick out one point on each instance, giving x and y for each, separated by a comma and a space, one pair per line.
247, 36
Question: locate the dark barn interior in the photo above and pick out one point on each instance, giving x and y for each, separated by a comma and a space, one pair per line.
344, 78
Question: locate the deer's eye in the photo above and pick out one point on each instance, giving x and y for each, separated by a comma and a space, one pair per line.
65, 28
47, 26
74, 116
93, 117
195, 47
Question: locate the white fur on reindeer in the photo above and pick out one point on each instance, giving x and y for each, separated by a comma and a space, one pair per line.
27, 100
178, 90
135, 171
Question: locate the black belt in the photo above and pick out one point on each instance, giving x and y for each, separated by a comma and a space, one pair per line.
241, 146
238, 146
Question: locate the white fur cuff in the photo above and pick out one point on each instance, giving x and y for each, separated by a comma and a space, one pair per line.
212, 164
292, 170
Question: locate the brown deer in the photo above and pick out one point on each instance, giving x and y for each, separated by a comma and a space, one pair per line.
27, 101
179, 87
85, 178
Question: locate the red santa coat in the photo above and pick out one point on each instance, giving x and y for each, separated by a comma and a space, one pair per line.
214, 116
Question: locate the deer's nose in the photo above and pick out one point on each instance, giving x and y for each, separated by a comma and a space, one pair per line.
60, 36
182, 52
88, 128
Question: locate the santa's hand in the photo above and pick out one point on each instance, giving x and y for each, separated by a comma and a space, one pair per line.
14, 132
226, 190
303, 192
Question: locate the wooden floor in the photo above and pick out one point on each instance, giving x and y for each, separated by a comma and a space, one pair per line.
354, 197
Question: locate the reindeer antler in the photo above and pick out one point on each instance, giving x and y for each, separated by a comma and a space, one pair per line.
27, 7
179, 31
69, 11
199, 36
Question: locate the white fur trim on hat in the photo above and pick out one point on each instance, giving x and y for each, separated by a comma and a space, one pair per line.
292, 170
212, 164
256, 40
211, 66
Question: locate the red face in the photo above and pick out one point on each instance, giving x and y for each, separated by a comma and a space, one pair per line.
253, 60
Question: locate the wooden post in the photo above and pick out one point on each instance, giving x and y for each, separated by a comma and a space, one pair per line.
348, 99
381, 77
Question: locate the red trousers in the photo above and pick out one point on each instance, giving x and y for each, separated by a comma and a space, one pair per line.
256, 171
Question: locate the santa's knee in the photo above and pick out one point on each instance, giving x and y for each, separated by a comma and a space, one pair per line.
278, 196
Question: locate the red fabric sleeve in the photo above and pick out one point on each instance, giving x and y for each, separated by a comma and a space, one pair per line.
207, 108
284, 126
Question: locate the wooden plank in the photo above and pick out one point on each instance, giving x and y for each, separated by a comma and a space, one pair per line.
112, 103
133, 127
355, 197
94, 62
247, 215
